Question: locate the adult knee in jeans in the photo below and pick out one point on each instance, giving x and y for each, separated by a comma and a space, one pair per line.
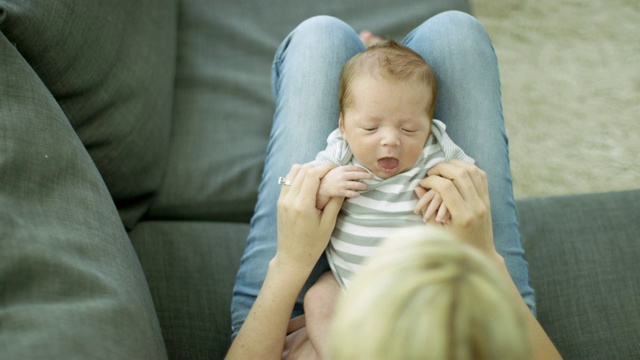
324, 33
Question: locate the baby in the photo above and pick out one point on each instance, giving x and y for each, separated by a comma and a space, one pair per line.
386, 141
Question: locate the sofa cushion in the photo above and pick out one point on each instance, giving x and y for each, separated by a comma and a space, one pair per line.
191, 268
71, 286
583, 253
110, 65
223, 105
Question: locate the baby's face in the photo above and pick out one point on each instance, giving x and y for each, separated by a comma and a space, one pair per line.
386, 125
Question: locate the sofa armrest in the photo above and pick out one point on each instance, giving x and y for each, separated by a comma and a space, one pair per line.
583, 253
71, 286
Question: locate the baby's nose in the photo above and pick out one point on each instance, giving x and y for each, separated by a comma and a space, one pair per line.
390, 138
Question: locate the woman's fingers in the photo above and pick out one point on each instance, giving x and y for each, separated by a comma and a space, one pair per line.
477, 176
293, 172
303, 230
460, 177
311, 183
465, 192
305, 181
330, 211
305, 190
299, 182
469, 179
321, 170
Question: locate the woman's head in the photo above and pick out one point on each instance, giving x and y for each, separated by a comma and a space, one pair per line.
426, 295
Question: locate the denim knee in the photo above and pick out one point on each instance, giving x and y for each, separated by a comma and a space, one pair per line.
322, 34
454, 30
318, 27
320, 41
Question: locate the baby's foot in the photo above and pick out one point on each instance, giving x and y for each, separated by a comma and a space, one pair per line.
368, 38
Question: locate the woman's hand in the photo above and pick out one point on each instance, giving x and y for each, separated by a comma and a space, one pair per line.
465, 190
303, 234
303, 230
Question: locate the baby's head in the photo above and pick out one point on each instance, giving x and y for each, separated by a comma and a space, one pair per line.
427, 295
387, 100
392, 61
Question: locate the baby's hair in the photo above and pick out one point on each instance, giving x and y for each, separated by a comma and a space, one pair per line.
427, 295
393, 61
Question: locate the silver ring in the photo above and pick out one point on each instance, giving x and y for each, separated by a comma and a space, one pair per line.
284, 181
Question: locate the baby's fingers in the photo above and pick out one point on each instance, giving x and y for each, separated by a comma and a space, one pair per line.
356, 173
356, 186
351, 194
424, 198
443, 214
434, 205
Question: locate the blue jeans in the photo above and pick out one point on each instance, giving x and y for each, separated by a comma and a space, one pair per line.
305, 78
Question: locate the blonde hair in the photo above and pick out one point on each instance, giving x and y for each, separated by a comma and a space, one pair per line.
392, 61
427, 295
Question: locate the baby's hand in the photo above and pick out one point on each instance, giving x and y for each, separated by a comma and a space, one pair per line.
430, 203
342, 181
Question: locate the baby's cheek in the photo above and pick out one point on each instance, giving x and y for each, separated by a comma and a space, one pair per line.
413, 154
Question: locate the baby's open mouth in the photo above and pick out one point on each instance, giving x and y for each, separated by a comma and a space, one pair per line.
388, 164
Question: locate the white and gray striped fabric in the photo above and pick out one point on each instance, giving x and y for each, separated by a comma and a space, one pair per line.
385, 206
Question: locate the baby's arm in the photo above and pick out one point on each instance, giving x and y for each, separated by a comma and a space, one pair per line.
342, 181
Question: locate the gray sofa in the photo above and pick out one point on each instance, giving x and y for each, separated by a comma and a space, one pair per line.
132, 138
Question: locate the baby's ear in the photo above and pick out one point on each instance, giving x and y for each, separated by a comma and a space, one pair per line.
341, 123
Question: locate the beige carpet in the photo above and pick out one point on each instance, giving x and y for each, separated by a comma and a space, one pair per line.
570, 75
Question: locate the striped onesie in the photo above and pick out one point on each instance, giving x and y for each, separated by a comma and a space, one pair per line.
385, 206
